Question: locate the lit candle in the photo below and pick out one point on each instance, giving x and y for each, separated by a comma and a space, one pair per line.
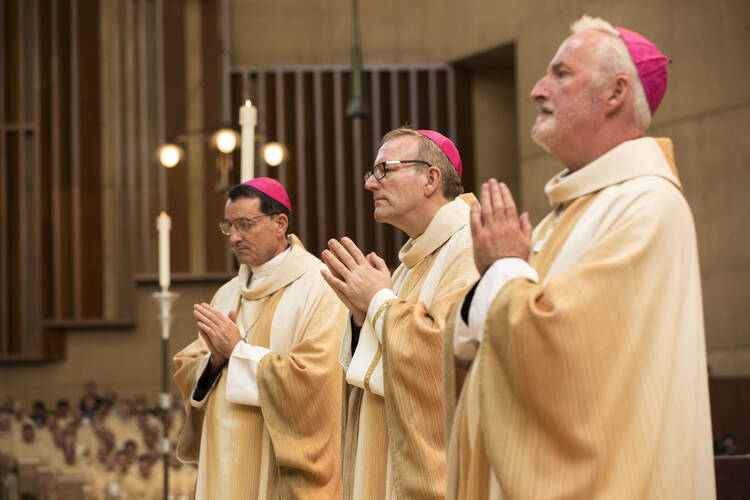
248, 120
163, 226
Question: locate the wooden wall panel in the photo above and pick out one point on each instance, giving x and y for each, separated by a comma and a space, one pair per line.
43, 109
4, 227
261, 83
15, 262
175, 121
56, 232
120, 269
87, 183
75, 164
62, 140
4, 249
215, 248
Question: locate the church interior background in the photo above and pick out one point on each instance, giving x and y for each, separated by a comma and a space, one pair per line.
90, 89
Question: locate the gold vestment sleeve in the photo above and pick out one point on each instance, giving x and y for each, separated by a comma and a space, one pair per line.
187, 362
412, 345
300, 397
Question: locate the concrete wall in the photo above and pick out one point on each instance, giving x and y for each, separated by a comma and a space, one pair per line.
127, 361
495, 134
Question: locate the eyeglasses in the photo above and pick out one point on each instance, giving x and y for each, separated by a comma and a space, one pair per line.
381, 169
243, 224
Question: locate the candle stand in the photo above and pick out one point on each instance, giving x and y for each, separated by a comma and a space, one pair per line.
165, 299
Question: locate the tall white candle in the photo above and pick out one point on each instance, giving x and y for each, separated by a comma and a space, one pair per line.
248, 120
164, 226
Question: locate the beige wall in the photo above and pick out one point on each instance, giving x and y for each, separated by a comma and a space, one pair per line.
128, 360
706, 113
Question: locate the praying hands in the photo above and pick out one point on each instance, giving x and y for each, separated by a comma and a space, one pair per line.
496, 229
354, 277
219, 332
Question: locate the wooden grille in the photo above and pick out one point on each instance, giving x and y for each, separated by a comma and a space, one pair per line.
77, 114
305, 108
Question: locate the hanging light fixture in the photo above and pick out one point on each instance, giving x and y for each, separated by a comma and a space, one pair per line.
357, 107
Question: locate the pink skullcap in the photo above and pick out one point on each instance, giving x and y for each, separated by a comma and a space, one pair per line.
447, 146
272, 188
650, 63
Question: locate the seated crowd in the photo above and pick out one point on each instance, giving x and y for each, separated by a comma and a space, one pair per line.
113, 448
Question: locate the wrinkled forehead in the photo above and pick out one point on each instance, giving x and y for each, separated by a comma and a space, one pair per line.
404, 147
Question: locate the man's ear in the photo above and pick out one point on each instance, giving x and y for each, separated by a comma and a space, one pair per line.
283, 222
618, 92
434, 180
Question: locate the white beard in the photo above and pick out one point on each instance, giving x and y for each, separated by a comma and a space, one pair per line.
543, 132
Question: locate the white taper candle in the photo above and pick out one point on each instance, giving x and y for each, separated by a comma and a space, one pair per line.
248, 120
164, 226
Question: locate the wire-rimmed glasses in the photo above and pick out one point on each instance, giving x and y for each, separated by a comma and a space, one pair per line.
243, 224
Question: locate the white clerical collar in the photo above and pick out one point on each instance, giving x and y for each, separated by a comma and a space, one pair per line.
265, 269
630, 159
447, 220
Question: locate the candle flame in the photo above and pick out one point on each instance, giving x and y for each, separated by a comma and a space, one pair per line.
248, 103
163, 214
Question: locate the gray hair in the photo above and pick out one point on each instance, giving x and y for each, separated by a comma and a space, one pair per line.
616, 60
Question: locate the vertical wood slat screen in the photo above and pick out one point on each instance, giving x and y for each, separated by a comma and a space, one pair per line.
77, 108
84, 103
305, 109
27, 256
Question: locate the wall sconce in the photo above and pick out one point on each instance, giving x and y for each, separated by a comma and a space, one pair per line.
274, 154
169, 155
225, 140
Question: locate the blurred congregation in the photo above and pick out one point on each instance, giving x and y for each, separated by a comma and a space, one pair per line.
101, 447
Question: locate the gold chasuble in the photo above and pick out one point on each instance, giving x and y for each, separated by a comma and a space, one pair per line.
288, 446
395, 435
591, 382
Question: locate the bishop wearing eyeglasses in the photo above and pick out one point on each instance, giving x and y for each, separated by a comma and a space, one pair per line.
262, 385
394, 437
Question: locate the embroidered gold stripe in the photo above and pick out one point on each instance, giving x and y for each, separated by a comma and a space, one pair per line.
372, 366
380, 311
380, 347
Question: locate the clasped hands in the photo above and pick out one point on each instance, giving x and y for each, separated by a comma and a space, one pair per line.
219, 332
496, 229
354, 277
